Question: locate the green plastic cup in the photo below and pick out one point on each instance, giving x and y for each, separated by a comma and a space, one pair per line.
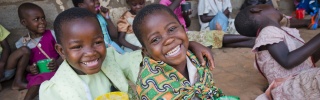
42, 65
228, 98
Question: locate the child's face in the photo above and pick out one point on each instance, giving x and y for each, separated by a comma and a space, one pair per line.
82, 45
267, 11
165, 38
91, 5
34, 20
136, 5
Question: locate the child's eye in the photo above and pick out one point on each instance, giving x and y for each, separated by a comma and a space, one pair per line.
76, 47
36, 19
99, 42
155, 40
171, 29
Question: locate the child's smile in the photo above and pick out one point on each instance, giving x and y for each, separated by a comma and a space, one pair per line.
164, 39
35, 21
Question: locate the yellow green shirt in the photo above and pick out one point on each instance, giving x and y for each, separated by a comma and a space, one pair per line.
98, 83
3, 34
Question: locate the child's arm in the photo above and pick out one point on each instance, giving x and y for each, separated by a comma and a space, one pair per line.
126, 43
187, 18
201, 51
287, 59
113, 32
205, 18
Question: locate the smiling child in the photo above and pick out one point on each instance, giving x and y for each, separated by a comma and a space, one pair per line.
169, 70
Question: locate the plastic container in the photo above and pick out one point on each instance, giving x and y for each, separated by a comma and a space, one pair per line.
42, 65
228, 98
114, 96
185, 6
300, 12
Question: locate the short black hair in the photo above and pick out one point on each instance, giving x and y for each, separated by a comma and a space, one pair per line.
68, 16
146, 11
27, 6
76, 2
246, 24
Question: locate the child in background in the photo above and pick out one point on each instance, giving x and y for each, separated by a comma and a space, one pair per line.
175, 6
126, 36
6, 73
169, 70
86, 72
37, 45
212, 12
108, 29
280, 51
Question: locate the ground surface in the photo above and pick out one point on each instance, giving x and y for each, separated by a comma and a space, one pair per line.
234, 73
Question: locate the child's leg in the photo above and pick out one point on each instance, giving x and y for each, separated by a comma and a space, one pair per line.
19, 59
32, 92
232, 40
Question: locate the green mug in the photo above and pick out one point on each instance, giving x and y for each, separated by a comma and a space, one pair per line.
228, 98
42, 65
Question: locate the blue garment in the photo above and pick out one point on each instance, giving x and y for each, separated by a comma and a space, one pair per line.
221, 19
310, 6
105, 32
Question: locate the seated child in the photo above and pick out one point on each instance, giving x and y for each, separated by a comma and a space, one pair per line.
175, 6
6, 73
169, 70
36, 45
280, 51
126, 36
109, 31
86, 72
214, 11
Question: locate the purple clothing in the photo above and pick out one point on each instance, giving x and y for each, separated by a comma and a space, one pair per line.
177, 11
47, 45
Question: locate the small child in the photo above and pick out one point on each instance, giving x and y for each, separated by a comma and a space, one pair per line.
280, 51
126, 36
37, 45
169, 70
175, 6
89, 70
6, 73
108, 29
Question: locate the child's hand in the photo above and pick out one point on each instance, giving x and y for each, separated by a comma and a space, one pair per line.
201, 51
33, 69
104, 12
218, 27
226, 12
52, 65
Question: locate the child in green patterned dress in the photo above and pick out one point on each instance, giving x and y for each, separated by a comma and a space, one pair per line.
169, 70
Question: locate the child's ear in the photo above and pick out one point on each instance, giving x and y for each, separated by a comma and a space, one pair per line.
59, 49
145, 52
255, 10
80, 5
23, 22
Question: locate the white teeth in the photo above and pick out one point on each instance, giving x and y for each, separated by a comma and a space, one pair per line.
86, 63
173, 51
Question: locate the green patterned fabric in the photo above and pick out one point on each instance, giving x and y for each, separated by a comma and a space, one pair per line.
158, 80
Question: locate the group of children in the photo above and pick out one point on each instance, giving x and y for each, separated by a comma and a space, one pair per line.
86, 60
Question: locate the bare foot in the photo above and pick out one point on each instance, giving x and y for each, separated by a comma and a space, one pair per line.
218, 26
18, 85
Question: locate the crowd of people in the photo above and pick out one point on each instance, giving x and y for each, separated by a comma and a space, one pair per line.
87, 56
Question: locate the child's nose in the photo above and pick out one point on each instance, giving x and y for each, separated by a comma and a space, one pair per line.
168, 41
90, 52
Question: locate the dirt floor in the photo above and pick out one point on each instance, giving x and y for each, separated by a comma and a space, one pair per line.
234, 73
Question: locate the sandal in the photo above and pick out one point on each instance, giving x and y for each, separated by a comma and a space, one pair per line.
314, 21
